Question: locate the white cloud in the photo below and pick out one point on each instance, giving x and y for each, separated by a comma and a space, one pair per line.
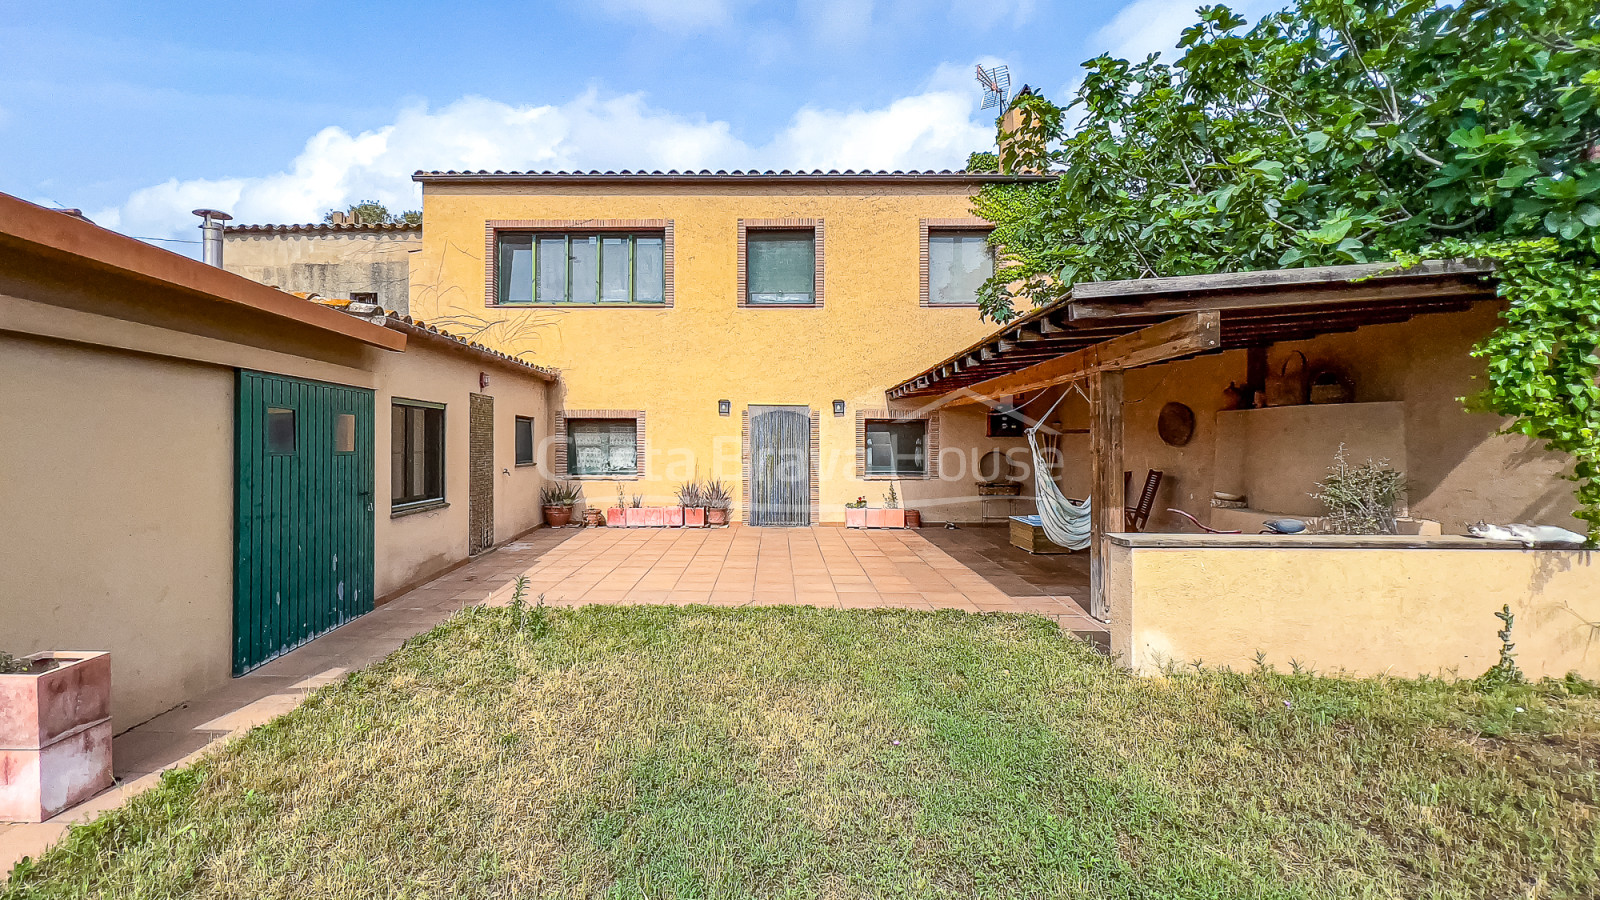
672, 15
1154, 26
933, 129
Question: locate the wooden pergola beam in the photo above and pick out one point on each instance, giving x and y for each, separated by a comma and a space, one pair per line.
1110, 306
1194, 333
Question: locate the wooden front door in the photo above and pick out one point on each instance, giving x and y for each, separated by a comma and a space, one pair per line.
480, 478
303, 506
780, 465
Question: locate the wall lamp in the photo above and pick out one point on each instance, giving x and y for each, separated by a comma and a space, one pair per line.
724, 407
838, 407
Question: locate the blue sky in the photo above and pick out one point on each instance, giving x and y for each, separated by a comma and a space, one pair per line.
137, 113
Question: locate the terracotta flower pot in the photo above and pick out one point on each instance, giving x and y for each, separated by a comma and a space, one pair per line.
694, 517
855, 517
716, 517
591, 516
557, 516
913, 518
55, 735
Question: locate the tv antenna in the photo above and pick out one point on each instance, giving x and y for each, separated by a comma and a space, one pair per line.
996, 86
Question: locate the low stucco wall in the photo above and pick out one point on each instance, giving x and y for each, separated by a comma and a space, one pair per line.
117, 531
1402, 606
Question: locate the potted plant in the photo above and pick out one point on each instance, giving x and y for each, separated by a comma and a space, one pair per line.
55, 732
717, 500
691, 497
617, 516
891, 515
855, 513
557, 501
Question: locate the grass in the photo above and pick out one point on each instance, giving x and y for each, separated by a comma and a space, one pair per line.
665, 752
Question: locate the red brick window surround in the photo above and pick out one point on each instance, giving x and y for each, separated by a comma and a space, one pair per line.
636, 416
928, 227
930, 448
491, 244
815, 226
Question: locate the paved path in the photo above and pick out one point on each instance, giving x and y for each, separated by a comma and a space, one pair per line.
736, 566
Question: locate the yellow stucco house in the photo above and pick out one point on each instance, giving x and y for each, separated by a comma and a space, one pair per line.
734, 325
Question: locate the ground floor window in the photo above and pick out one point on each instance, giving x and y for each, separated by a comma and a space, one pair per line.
524, 441
897, 448
602, 447
416, 452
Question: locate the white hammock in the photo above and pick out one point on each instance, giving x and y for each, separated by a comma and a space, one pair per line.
1065, 523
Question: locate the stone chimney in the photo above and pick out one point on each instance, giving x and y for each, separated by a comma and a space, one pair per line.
1009, 123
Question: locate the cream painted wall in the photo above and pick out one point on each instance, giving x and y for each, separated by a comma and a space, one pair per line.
418, 545
116, 482
677, 363
1402, 612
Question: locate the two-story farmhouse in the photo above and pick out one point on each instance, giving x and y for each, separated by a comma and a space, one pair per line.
735, 325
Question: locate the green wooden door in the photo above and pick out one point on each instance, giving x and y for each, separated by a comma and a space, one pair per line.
303, 486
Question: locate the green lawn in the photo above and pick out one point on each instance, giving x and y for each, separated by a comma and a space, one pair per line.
661, 752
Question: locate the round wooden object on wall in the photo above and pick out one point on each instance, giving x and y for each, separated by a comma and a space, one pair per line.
1176, 424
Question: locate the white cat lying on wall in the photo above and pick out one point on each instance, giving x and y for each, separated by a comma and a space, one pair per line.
1544, 536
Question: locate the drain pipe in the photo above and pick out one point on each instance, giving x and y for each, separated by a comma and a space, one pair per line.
211, 234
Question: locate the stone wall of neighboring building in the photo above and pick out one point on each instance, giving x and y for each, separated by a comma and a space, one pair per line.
347, 262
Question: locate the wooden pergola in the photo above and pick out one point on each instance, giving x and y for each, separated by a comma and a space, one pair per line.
1102, 329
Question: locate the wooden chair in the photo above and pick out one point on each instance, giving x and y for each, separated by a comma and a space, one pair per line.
1137, 515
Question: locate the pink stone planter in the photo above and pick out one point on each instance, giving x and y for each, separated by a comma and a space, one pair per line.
855, 517
617, 517
694, 517
655, 516
55, 736
886, 518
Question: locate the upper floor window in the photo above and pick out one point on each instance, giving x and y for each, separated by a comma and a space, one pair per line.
581, 268
780, 262
959, 262
783, 267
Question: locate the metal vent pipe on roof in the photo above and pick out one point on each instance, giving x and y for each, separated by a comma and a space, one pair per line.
211, 234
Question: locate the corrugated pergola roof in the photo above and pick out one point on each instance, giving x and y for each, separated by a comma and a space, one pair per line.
1256, 308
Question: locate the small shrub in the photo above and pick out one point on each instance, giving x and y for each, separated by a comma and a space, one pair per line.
1361, 499
716, 494
13, 665
1505, 670
560, 493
